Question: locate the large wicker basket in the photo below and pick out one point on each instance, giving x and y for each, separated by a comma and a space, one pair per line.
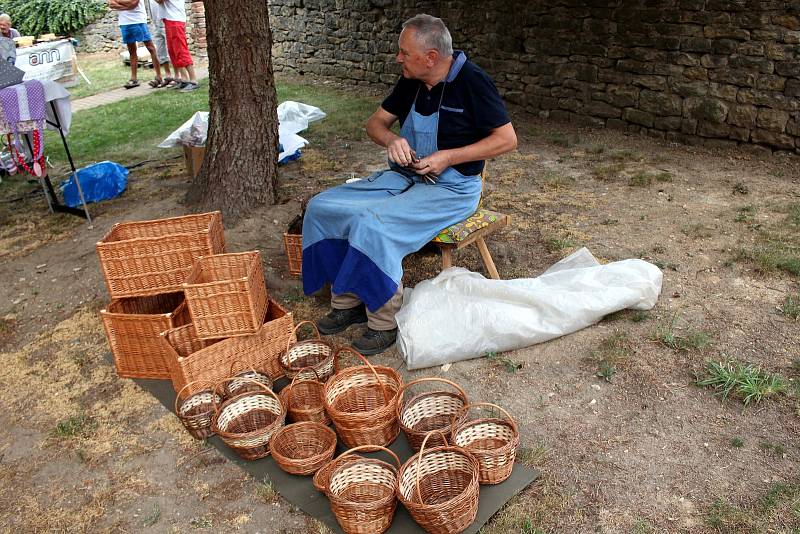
226, 294
362, 491
294, 252
191, 358
429, 410
152, 257
133, 326
439, 488
361, 402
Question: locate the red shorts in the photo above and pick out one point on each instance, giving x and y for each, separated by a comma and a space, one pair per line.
177, 46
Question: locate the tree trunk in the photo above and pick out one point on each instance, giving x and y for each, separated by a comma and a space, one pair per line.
239, 170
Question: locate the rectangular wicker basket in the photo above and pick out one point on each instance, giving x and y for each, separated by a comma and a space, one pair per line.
133, 327
152, 257
226, 295
293, 243
191, 358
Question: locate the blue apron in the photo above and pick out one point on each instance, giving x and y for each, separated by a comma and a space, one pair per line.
356, 235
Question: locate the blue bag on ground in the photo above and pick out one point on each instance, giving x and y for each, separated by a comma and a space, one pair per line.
100, 181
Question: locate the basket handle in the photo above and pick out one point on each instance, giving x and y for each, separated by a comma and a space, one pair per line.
466, 408
419, 457
399, 405
231, 379
289, 389
178, 396
366, 362
370, 448
294, 332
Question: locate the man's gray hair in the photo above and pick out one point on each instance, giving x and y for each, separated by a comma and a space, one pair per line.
5, 17
431, 33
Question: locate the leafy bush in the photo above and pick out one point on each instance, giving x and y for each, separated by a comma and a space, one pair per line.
62, 17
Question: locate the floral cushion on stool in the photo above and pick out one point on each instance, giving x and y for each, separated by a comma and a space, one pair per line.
460, 231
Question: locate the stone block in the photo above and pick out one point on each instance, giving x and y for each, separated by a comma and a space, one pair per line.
713, 129
791, 37
705, 109
739, 134
751, 48
683, 88
688, 126
769, 99
638, 67
792, 88
773, 33
658, 83
788, 68
667, 123
759, 64
790, 22
668, 69
780, 52
616, 124
622, 95
733, 76
723, 46
612, 76
695, 73
770, 82
793, 128
726, 32
775, 139
660, 103
743, 115
713, 62
696, 44
727, 5
683, 58
639, 117
602, 109
772, 119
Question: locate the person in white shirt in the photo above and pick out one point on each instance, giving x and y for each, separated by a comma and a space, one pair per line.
160, 42
133, 27
174, 14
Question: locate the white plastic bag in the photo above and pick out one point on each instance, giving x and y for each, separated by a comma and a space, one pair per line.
191, 133
461, 315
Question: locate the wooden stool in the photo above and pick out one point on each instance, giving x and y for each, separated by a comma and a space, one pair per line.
472, 230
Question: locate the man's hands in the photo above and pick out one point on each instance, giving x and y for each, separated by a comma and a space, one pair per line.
400, 152
433, 165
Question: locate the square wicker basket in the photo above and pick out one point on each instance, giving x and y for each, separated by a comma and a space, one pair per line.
226, 295
293, 243
153, 257
191, 358
133, 326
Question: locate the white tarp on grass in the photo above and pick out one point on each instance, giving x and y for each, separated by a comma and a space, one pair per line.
461, 315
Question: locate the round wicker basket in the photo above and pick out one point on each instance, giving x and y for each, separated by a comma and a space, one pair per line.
430, 410
195, 406
493, 441
314, 353
302, 448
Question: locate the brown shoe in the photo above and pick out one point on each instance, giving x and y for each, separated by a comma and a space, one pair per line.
339, 320
375, 341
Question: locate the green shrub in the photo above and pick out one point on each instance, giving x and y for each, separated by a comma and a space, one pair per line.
62, 17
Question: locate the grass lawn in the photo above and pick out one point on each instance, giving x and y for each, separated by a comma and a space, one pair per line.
105, 72
128, 131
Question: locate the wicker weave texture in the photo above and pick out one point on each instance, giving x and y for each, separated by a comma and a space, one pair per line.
311, 358
305, 400
430, 410
247, 421
293, 243
191, 358
226, 294
361, 402
302, 448
493, 441
439, 488
133, 326
151, 257
242, 382
196, 410
362, 492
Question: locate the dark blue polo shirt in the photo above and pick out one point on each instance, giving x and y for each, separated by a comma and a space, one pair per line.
471, 108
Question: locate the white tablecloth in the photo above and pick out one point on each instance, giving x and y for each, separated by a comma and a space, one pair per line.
54, 92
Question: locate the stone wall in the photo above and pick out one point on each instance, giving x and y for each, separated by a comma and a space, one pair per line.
103, 34
714, 72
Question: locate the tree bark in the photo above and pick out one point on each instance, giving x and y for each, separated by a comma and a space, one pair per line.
239, 170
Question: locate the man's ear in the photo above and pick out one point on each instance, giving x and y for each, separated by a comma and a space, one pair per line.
431, 57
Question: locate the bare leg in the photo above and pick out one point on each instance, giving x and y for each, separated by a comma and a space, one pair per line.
153, 57
134, 60
167, 72
190, 71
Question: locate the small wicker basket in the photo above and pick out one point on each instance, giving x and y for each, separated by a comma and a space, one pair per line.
430, 410
309, 357
493, 441
362, 491
304, 399
361, 402
294, 252
302, 448
439, 488
247, 421
226, 294
242, 382
195, 410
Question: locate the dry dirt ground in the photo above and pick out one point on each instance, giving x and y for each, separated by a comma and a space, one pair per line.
645, 450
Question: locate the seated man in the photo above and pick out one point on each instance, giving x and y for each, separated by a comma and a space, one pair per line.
356, 235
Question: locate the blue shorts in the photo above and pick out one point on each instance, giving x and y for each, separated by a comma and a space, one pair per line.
135, 33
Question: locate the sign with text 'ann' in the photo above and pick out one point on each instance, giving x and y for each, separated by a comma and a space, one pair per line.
53, 60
